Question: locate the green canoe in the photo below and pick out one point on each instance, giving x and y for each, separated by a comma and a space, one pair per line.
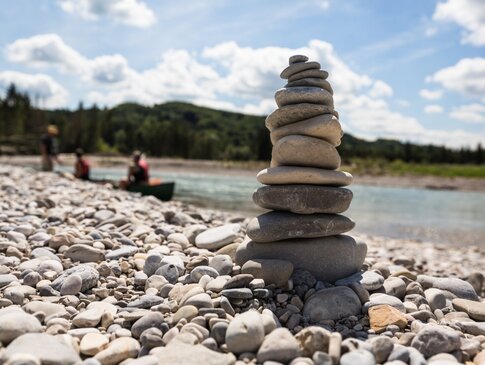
162, 191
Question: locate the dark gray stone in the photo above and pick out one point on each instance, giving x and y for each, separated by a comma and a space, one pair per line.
295, 113
87, 272
332, 303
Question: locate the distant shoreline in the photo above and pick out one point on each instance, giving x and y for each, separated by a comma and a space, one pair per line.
251, 169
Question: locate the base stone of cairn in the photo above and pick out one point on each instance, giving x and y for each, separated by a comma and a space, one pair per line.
302, 188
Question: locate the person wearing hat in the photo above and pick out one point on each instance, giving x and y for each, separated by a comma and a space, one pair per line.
49, 148
81, 167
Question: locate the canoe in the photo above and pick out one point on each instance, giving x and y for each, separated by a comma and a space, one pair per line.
162, 191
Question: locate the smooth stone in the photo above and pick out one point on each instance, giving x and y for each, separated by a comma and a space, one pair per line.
118, 350
287, 175
327, 258
395, 287
84, 253
472, 328
297, 58
321, 358
42, 251
382, 347
476, 310
49, 309
222, 263
280, 346
380, 298
277, 226
460, 288
313, 73
370, 280
433, 339
332, 304
202, 270
303, 199
361, 357
303, 94
276, 272
72, 285
383, 315
16, 323
296, 113
312, 82
149, 320
187, 311
245, 332
88, 274
215, 238
124, 251
298, 67
201, 300
6, 279
436, 298
297, 150
237, 293
177, 353
325, 126
238, 281
312, 339
48, 349
92, 343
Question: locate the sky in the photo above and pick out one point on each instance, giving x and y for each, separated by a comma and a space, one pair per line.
407, 70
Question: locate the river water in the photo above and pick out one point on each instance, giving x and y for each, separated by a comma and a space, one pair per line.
448, 217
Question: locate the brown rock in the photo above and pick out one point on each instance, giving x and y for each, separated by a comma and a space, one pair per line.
383, 315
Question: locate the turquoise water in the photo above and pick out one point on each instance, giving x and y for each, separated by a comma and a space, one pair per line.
439, 216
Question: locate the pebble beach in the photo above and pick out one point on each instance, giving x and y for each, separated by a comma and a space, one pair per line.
93, 275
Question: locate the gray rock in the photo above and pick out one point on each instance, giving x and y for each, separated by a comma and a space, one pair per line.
88, 274
312, 82
146, 301
295, 113
432, 340
313, 73
118, 350
475, 310
180, 353
49, 309
6, 279
84, 253
72, 285
280, 346
395, 286
277, 225
297, 58
42, 251
458, 287
202, 270
303, 199
380, 298
332, 303
222, 263
303, 94
436, 299
321, 358
245, 333
14, 323
327, 258
382, 347
361, 357
239, 281
124, 251
42, 346
152, 263
296, 67
287, 175
472, 328
237, 293
149, 320
297, 150
215, 238
370, 280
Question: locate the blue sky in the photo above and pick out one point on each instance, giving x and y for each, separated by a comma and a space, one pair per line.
409, 70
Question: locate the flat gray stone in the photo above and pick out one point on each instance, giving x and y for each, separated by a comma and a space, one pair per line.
434, 339
296, 113
458, 287
303, 94
276, 272
287, 175
297, 58
312, 73
84, 253
303, 199
297, 150
48, 349
298, 67
72, 285
312, 82
278, 225
472, 328
124, 251
476, 310
332, 304
87, 272
217, 237
327, 258
325, 126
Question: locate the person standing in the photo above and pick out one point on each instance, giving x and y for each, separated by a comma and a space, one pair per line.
49, 148
81, 167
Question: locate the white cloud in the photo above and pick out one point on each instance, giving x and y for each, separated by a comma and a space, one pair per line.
471, 113
109, 69
324, 4
433, 109
467, 77
41, 88
129, 12
469, 14
380, 89
431, 94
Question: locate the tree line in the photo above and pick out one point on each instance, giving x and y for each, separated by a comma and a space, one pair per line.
182, 130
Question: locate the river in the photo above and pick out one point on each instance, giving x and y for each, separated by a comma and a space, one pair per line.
447, 217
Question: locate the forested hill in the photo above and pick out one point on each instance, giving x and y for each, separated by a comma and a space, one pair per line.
181, 130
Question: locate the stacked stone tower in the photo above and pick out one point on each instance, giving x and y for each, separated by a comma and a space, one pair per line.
302, 188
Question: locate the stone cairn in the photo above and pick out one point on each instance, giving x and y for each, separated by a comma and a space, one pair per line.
302, 188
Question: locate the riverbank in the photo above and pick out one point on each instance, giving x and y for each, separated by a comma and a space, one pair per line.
106, 276
252, 168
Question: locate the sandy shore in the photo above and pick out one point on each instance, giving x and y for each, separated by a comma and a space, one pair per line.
251, 169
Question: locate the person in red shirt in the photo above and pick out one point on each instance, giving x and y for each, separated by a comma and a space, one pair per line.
81, 167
